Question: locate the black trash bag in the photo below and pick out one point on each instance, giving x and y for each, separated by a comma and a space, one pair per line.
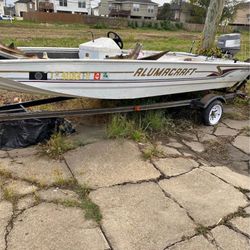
20, 134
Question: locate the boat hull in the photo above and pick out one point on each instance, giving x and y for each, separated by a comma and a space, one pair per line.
118, 79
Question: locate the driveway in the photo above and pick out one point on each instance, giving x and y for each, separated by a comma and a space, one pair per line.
190, 191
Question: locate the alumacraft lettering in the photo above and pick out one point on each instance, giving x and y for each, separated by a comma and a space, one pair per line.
164, 71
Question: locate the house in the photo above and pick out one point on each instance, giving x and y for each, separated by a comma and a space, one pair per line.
2, 6
65, 6
242, 15
182, 12
139, 9
46, 6
22, 6
95, 11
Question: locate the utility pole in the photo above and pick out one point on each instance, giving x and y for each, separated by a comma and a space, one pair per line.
212, 21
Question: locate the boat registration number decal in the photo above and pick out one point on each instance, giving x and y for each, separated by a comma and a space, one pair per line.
78, 76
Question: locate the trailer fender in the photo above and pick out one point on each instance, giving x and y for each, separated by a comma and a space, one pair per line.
209, 98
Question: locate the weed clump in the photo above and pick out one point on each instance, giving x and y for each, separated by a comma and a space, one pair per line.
92, 211
56, 146
122, 127
10, 195
140, 127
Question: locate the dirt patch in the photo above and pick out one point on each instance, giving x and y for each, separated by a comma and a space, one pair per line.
221, 152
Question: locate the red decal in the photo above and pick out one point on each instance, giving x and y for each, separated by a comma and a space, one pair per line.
97, 76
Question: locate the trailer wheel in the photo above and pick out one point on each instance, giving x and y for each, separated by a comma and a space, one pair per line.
213, 113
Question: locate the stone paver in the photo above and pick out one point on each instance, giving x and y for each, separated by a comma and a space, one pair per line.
243, 224
3, 154
236, 124
205, 129
43, 170
108, 163
5, 216
189, 136
195, 243
175, 166
86, 134
242, 142
238, 180
20, 187
26, 202
57, 194
23, 152
175, 145
195, 146
247, 210
206, 197
230, 240
140, 216
49, 226
207, 137
224, 131
167, 151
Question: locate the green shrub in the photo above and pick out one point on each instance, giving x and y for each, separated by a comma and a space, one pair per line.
100, 26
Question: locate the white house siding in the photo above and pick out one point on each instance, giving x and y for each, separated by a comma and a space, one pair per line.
95, 11
20, 7
104, 8
72, 7
143, 10
1, 7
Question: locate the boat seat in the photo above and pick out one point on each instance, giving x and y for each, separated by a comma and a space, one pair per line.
11, 52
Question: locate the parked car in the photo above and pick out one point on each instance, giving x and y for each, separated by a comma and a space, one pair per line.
6, 17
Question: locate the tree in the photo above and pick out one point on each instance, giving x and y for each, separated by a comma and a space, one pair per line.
199, 9
164, 12
213, 18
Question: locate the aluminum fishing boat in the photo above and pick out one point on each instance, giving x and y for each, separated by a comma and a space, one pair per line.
101, 69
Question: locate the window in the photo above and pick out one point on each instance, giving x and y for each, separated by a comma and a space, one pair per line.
136, 7
81, 4
248, 17
150, 9
63, 3
110, 6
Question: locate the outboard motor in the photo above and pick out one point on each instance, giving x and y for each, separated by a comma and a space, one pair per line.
229, 43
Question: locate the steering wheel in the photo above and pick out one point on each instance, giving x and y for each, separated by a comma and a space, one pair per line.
116, 38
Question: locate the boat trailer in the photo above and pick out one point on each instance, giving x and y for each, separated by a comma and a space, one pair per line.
211, 106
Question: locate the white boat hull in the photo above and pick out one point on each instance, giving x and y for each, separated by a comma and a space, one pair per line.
119, 79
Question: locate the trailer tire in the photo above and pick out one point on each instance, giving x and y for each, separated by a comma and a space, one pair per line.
213, 113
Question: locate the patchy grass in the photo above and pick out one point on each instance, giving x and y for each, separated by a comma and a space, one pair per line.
56, 146
68, 203
157, 122
10, 195
149, 152
26, 33
64, 183
37, 197
246, 131
144, 125
122, 127
200, 229
240, 101
5, 174
236, 116
92, 211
